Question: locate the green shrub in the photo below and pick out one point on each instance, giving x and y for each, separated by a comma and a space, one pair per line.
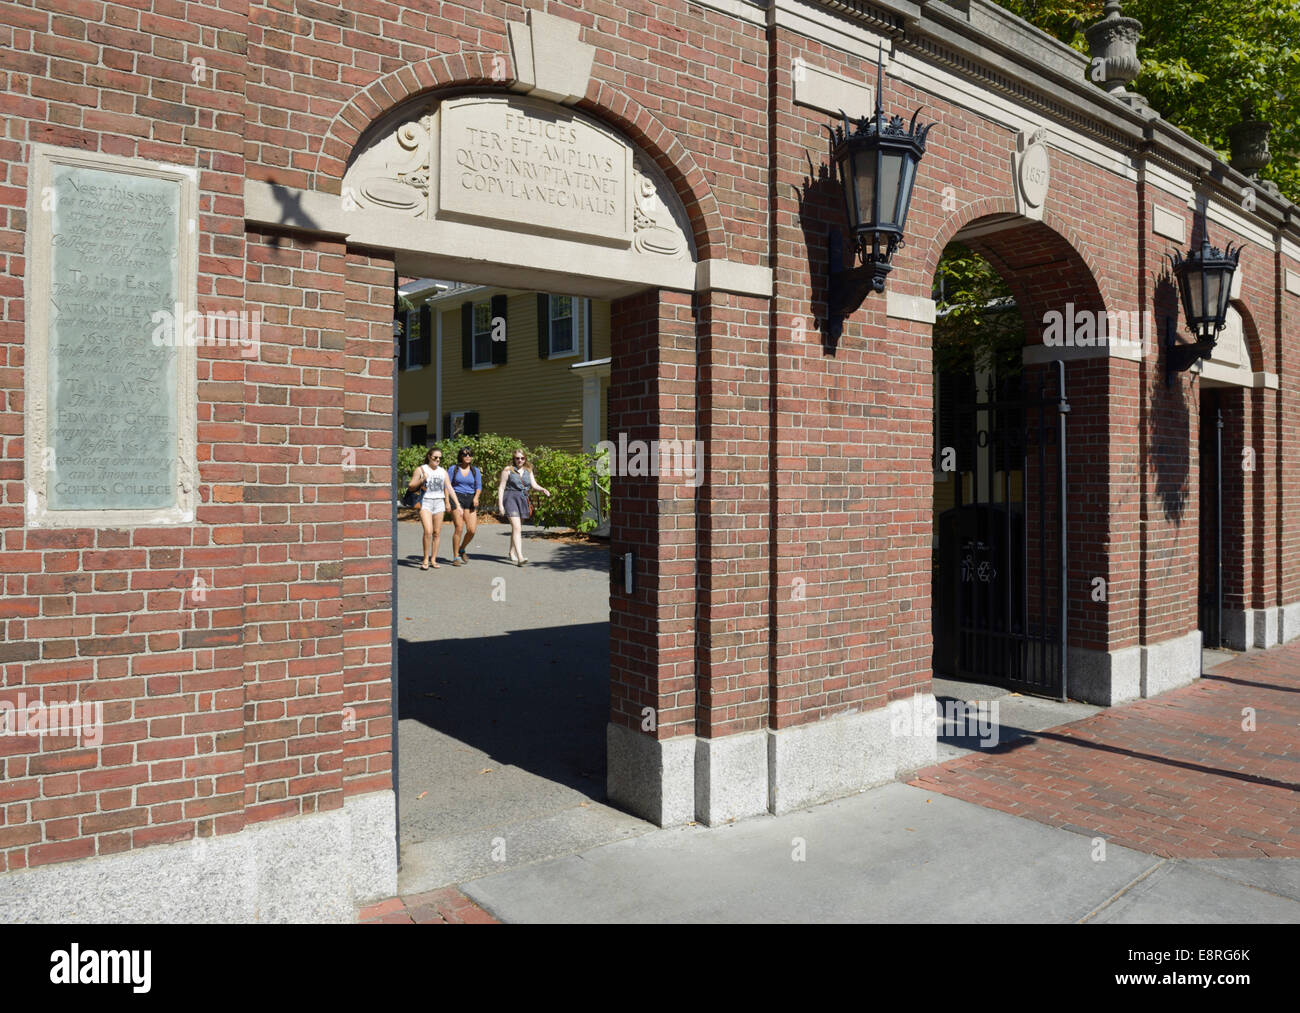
408, 459
568, 478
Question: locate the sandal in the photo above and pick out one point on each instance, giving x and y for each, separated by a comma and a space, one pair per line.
457, 562
424, 565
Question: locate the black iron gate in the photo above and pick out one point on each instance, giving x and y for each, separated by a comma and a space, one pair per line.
999, 571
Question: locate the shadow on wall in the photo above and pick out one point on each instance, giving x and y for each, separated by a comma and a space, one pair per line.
1171, 446
821, 208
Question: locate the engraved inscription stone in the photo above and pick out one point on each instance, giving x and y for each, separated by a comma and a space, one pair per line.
111, 386
524, 162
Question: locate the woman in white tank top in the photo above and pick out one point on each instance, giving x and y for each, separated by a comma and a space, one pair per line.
432, 478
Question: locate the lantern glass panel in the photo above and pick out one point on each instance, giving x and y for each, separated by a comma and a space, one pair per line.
846, 183
891, 173
905, 192
1208, 310
865, 185
1225, 293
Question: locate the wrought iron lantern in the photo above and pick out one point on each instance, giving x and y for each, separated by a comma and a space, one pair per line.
1204, 279
875, 163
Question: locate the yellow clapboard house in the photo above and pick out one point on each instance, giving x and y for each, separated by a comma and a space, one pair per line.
533, 366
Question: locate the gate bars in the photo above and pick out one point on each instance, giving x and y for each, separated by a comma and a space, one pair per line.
991, 557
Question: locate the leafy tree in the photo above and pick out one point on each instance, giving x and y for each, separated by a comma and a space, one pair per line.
1206, 64
978, 323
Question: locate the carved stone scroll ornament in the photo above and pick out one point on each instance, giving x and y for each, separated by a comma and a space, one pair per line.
654, 230
393, 174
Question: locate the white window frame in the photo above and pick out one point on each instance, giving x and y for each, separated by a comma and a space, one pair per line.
474, 360
574, 348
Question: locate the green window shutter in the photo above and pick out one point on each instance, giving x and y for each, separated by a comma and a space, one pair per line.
446, 425
467, 335
543, 325
499, 347
471, 423
426, 335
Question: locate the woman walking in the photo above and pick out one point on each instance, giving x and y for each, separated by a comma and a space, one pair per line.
512, 500
467, 483
432, 477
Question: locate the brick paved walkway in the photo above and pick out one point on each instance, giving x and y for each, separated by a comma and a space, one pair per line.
447, 906
1176, 775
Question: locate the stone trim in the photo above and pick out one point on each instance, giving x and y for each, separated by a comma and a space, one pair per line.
1288, 622
731, 777
1034, 355
314, 868
730, 276
909, 307
1251, 629
1166, 223
822, 760
1171, 663
1105, 678
551, 62
651, 778
831, 93
714, 780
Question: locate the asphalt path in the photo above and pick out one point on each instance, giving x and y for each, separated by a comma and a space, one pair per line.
503, 698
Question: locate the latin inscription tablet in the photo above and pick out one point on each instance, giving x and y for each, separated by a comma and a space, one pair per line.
111, 380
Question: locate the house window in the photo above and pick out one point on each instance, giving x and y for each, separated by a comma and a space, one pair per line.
419, 436
482, 334
413, 336
459, 424
561, 324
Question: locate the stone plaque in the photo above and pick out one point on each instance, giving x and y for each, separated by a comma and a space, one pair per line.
534, 165
1033, 172
111, 373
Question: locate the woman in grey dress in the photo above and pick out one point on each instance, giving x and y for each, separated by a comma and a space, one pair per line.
512, 500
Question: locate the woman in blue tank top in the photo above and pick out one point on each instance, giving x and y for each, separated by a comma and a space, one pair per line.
467, 484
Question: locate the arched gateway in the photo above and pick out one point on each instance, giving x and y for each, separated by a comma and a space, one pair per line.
197, 535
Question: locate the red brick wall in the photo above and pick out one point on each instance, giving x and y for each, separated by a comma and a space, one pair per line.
734, 516
109, 615
367, 582
652, 642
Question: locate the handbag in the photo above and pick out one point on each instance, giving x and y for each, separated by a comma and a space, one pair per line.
413, 496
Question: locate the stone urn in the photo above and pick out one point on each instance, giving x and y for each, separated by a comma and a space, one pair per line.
1248, 141
1114, 40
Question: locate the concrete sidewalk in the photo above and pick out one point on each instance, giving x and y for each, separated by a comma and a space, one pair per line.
893, 854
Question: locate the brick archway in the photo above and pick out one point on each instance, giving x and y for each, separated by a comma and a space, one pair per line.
487, 71
1065, 242
1047, 271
